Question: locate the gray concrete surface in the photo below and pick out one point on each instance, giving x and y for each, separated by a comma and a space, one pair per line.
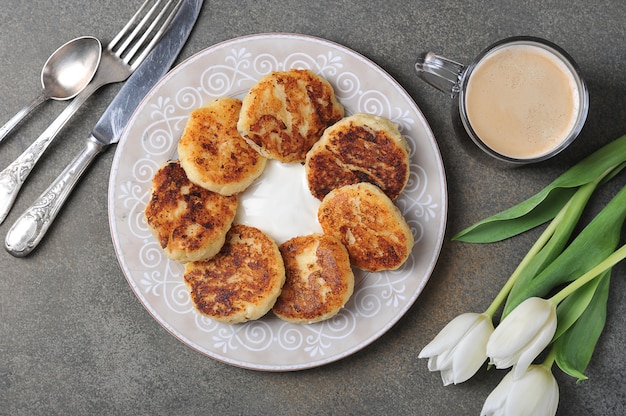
74, 340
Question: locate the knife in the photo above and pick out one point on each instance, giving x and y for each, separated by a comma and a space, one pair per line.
32, 225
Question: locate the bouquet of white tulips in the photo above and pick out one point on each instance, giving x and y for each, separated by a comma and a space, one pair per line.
554, 302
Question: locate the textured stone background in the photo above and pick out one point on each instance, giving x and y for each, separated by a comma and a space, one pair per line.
75, 340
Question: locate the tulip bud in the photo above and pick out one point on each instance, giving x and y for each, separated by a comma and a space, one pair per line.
534, 392
522, 335
459, 349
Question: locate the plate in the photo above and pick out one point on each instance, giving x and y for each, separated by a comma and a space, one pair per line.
230, 69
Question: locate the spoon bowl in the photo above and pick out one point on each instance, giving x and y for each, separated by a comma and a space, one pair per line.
70, 68
65, 74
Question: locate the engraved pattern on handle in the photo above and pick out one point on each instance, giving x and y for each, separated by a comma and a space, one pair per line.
33, 224
13, 177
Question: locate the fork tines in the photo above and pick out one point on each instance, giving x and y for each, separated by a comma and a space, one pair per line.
142, 33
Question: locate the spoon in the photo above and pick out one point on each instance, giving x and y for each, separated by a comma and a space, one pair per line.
66, 73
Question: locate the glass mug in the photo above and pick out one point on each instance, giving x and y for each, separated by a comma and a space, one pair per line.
522, 100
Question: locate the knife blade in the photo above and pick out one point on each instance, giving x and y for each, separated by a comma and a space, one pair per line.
28, 230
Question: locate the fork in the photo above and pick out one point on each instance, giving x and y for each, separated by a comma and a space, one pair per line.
119, 60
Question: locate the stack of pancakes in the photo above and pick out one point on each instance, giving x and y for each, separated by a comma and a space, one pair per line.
356, 166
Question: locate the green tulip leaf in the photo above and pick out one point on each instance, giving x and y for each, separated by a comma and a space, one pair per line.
545, 205
574, 348
575, 304
593, 244
537, 210
563, 225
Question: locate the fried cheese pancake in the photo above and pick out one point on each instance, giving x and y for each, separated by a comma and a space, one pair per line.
240, 283
367, 222
359, 148
213, 153
286, 112
319, 279
188, 221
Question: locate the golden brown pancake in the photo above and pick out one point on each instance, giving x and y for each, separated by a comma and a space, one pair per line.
319, 279
240, 283
188, 221
359, 148
367, 222
286, 112
213, 153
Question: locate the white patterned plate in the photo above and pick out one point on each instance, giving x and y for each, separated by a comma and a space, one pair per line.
229, 69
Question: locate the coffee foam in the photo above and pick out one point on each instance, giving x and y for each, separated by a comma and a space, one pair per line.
522, 101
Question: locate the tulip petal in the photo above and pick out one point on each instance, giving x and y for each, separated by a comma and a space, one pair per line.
551, 398
450, 335
534, 348
495, 402
471, 352
548, 402
432, 363
459, 349
518, 327
438, 362
533, 393
523, 334
447, 376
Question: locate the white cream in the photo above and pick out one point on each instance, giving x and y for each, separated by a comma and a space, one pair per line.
279, 203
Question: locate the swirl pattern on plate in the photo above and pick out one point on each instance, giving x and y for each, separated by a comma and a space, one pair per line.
230, 68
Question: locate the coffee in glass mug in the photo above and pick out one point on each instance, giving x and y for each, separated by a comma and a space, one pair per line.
522, 100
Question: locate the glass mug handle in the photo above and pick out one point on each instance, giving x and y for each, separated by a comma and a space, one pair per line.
442, 73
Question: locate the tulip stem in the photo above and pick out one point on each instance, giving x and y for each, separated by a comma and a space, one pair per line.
536, 248
606, 264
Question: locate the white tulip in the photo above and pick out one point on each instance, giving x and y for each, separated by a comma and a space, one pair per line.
459, 349
534, 393
522, 335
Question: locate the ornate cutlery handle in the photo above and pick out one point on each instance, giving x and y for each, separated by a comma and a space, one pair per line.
20, 115
13, 176
32, 225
